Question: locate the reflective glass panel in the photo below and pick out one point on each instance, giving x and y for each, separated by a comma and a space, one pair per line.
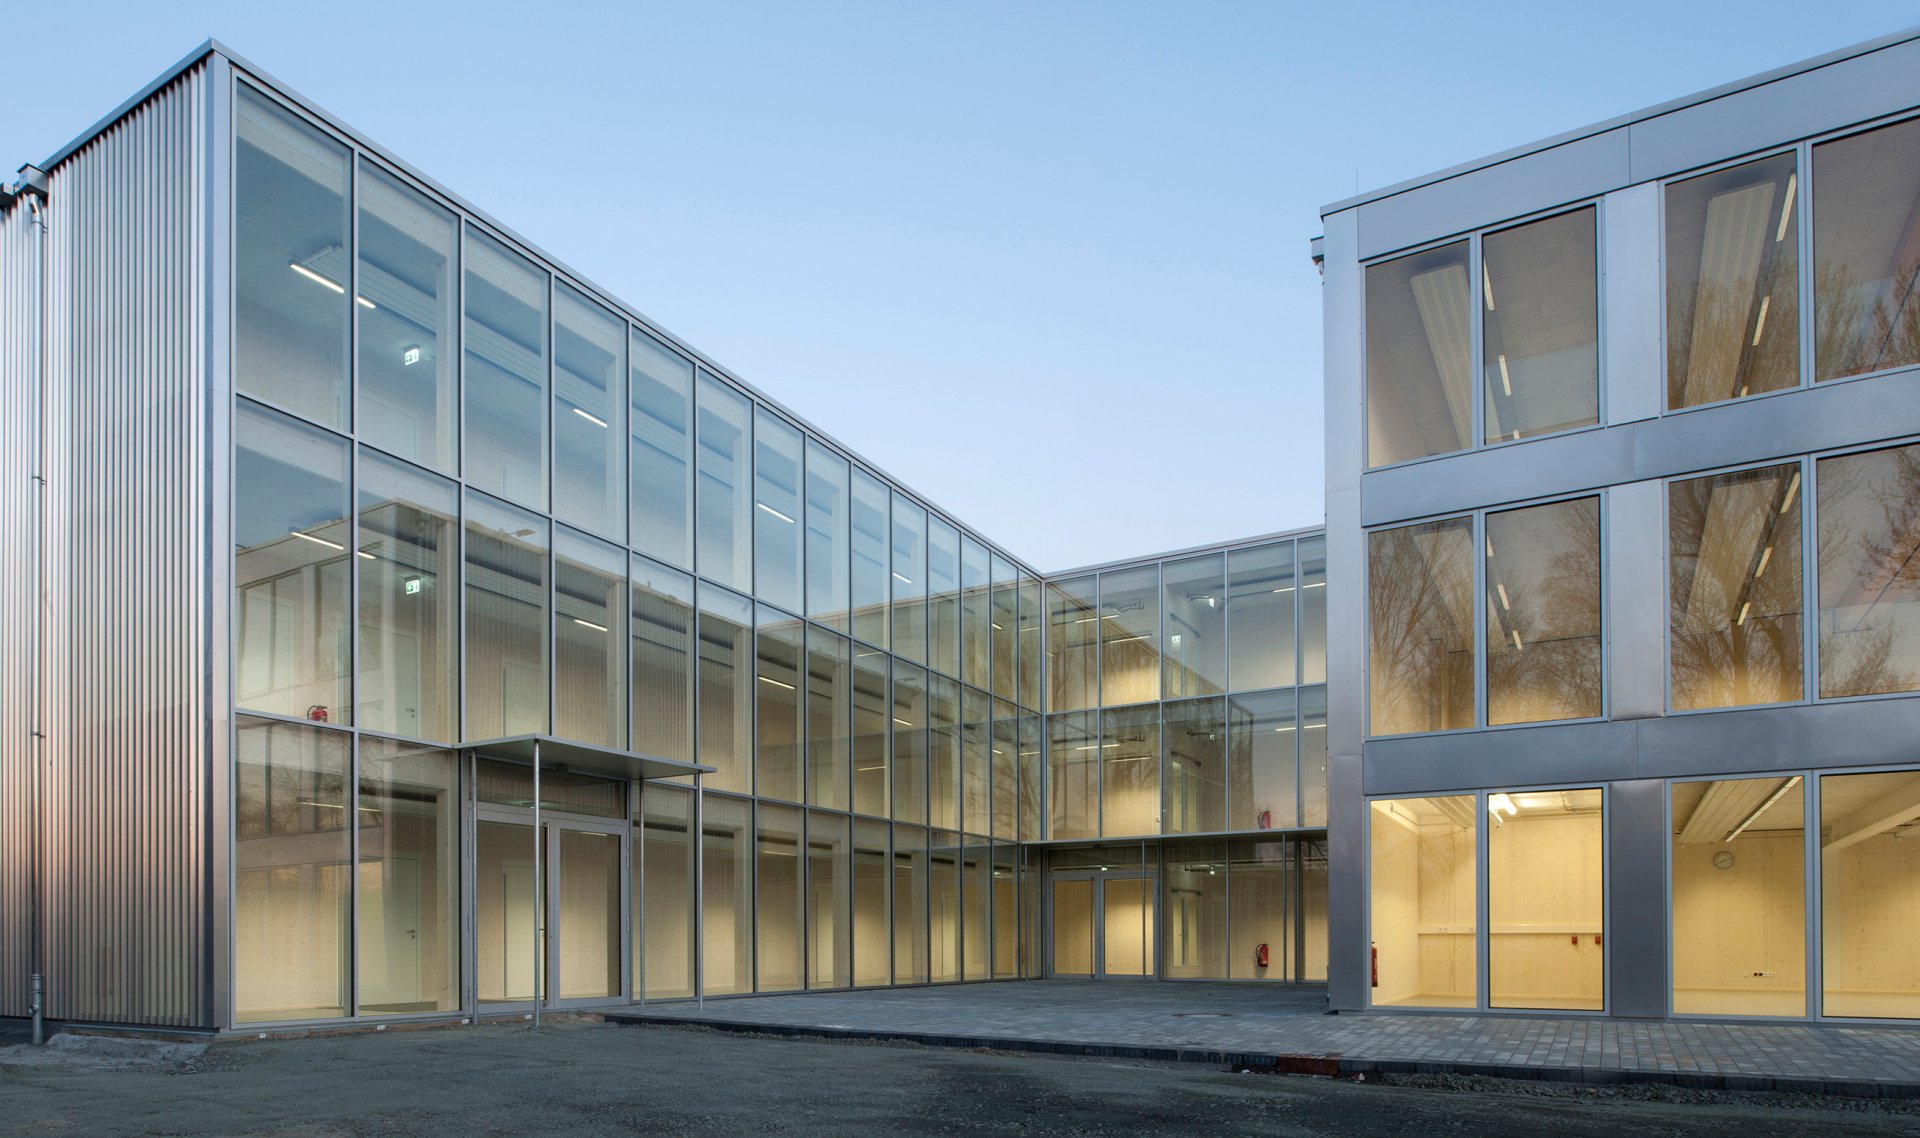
909, 579
943, 752
1194, 649
976, 893
1546, 900
726, 688
1262, 590
910, 889
1543, 612
943, 899
723, 526
1869, 571
1262, 883
779, 906
1032, 764
1073, 776
1733, 283
1263, 735
829, 719
976, 632
909, 743
290, 262
872, 720
1006, 911
1420, 627
1006, 774
726, 895
829, 901
781, 656
505, 340
943, 597
1196, 770
1419, 356
1423, 899
1869, 891
292, 891
589, 415
872, 894
1312, 554
871, 575
1313, 756
1733, 560
589, 656
661, 417
829, 532
976, 762
506, 638
665, 891
776, 511
1540, 354
408, 366
1193, 911
1739, 897
291, 533
586, 958
408, 677
1073, 644
663, 664
1004, 608
1866, 251
1028, 648
1130, 771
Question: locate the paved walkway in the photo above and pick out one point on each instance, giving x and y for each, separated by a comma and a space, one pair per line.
1286, 1029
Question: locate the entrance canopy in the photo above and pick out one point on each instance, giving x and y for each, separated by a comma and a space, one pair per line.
586, 757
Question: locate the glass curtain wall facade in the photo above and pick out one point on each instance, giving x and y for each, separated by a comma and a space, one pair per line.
475, 500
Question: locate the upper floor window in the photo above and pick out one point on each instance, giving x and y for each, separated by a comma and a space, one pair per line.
1522, 301
1866, 251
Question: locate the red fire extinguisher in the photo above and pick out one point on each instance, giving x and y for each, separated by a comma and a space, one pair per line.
1265, 820
1374, 951
317, 713
1260, 957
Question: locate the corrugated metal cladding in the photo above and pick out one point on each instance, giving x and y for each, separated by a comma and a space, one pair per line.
19, 379
128, 755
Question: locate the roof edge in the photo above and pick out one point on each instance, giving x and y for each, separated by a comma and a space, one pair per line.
187, 63
1188, 551
1787, 71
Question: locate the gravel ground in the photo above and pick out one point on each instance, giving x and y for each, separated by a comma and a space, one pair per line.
580, 1077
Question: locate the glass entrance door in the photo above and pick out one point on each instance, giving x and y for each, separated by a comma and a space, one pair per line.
1102, 925
559, 929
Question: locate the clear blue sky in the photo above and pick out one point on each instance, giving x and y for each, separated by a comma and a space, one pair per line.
1046, 262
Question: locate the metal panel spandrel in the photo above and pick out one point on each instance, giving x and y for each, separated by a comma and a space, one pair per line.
1636, 913
1636, 600
1632, 323
127, 701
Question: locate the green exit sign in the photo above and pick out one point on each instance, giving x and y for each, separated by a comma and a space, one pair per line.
413, 585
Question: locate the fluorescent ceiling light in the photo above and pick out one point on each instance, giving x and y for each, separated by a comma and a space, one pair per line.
1766, 555
902, 722
365, 303
777, 514
1501, 587
1744, 606
1786, 207
1762, 808
901, 579
1315, 585
1502, 803
780, 684
1793, 487
316, 278
1486, 287
1506, 382
1517, 646
594, 419
1760, 324
318, 540
589, 624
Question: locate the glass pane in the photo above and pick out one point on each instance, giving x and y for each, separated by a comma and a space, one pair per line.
1193, 912
1543, 612
1032, 764
1004, 623
661, 382
726, 689
943, 757
1310, 939
976, 890
1073, 927
1196, 772
1546, 897
1420, 627
662, 651
1541, 353
409, 817
726, 895
1006, 912
829, 513
1260, 895
1869, 572
505, 338
506, 902
588, 945
291, 889
724, 532
590, 603
589, 415
1866, 251
1734, 565
909, 743
291, 529
910, 884
943, 604
407, 361
1313, 756
1029, 649
1073, 776
1419, 356
1739, 897
290, 262
506, 621
408, 679
872, 720
977, 762
1423, 898
872, 915
665, 901
829, 719
943, 933
829, 901
780, 904
1130, 774
1312, 552
1126, 909
1262, 783
1260, 616
909, 579
1868, 875
871, 575
780, 655
1006, 775
1733, 283
976, 631
511, 784
1073, 627
1195, 649
776, 512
